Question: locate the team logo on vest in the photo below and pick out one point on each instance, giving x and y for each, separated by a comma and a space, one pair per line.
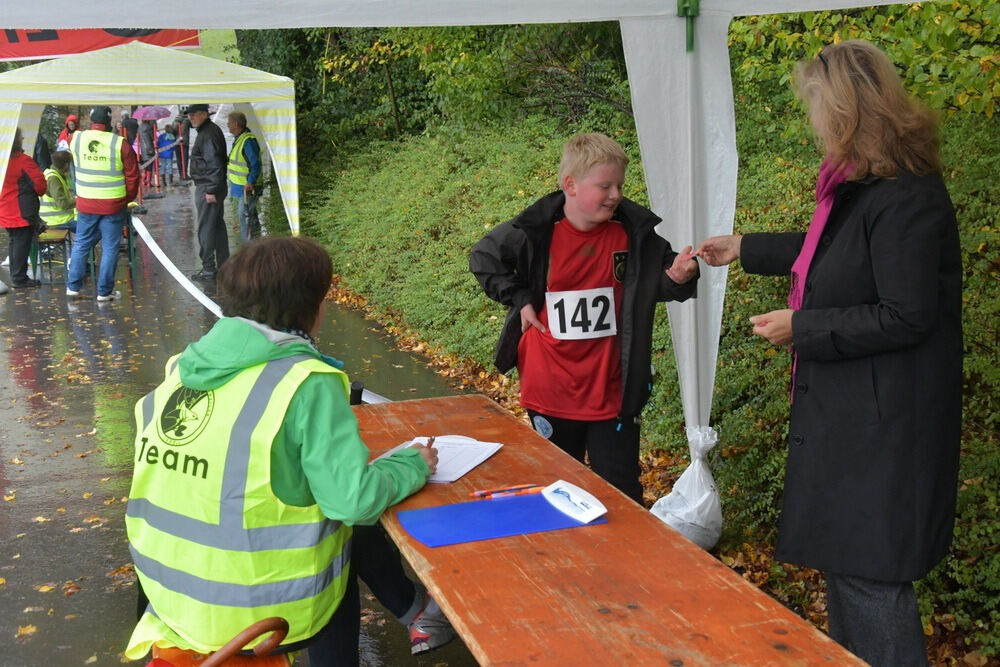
620, 261
185, 415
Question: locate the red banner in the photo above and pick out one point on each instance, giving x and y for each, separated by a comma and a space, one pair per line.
42, 44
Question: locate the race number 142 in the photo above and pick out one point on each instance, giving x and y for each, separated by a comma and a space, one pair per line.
581, 314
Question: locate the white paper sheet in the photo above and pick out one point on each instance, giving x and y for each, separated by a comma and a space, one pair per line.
457, 454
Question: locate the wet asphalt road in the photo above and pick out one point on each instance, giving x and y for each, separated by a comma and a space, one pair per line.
71, 374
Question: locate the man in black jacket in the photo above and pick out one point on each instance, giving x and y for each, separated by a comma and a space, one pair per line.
208, 170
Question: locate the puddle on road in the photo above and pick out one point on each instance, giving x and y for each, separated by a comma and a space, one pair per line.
71, 374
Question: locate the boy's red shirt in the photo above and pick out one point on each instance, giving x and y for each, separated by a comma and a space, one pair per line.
577, 379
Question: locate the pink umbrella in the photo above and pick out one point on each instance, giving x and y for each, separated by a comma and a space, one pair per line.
151, 113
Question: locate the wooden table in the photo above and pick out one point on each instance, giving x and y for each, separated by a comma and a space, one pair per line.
628, 592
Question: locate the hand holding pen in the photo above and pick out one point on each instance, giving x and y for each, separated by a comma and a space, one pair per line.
429, 454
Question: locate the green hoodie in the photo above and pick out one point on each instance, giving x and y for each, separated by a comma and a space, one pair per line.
318, 456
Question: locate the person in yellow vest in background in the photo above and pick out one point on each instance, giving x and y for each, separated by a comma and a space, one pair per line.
58, 204
245, 174
252, 494
107, 179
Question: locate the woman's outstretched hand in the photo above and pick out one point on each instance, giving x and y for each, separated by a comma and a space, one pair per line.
720, 250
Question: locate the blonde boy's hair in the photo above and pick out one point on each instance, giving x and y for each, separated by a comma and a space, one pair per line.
585, 151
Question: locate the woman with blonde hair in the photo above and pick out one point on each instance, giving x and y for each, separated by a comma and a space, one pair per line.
874, 326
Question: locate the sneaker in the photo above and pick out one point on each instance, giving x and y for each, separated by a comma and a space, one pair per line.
203, 275
430, 629
3, 287
6, 261
108, 297
30, 282
72, 292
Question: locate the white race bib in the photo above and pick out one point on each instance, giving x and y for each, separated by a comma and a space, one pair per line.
581, 314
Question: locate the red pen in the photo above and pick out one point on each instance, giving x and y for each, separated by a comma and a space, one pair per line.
519, 492
505, 491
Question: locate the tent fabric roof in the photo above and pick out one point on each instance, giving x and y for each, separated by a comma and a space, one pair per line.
369, 13
138, 73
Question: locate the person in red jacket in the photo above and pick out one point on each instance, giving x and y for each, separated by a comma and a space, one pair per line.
71, 126
23, 184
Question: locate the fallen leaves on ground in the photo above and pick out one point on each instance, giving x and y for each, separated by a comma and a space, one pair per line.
70, 588
122, 577
45, 588
25, 631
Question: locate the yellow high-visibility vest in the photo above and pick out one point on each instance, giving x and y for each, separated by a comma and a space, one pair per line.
49, 210
239, 170
97, 159
214, 549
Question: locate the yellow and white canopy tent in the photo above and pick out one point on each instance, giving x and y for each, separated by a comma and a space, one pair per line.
138, 73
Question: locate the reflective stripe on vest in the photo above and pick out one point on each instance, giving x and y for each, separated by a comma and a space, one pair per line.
201, 499
239, 170
97, 160
48, 209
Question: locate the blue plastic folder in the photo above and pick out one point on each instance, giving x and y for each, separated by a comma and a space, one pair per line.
486, 519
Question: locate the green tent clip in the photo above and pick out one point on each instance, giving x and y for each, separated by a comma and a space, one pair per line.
688, 9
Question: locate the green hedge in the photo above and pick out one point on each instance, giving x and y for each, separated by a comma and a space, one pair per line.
399, 219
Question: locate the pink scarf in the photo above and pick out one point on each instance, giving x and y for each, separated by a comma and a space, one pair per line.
826, 185
829, 178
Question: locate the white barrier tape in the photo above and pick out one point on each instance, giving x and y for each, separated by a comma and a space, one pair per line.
366, 396
173, 270
161, 149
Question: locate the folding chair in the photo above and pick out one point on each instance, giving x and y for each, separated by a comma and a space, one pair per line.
227, 656
43, 250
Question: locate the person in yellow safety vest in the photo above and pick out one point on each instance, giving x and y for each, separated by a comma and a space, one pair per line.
58, 204
245, 174
252, 494
107, 179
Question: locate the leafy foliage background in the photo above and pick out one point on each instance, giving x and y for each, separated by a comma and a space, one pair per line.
417, 141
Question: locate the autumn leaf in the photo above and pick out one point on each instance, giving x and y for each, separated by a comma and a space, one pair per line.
25, 631
70, 588
2, 581
40, 519
45, 588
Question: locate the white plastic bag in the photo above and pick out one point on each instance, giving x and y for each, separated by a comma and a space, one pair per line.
693, 508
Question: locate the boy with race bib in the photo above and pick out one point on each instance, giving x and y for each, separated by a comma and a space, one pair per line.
581, 271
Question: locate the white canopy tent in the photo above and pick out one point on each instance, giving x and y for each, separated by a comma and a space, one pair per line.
682, 101
138, 73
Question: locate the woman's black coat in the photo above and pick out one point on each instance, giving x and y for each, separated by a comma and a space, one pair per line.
873, 447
